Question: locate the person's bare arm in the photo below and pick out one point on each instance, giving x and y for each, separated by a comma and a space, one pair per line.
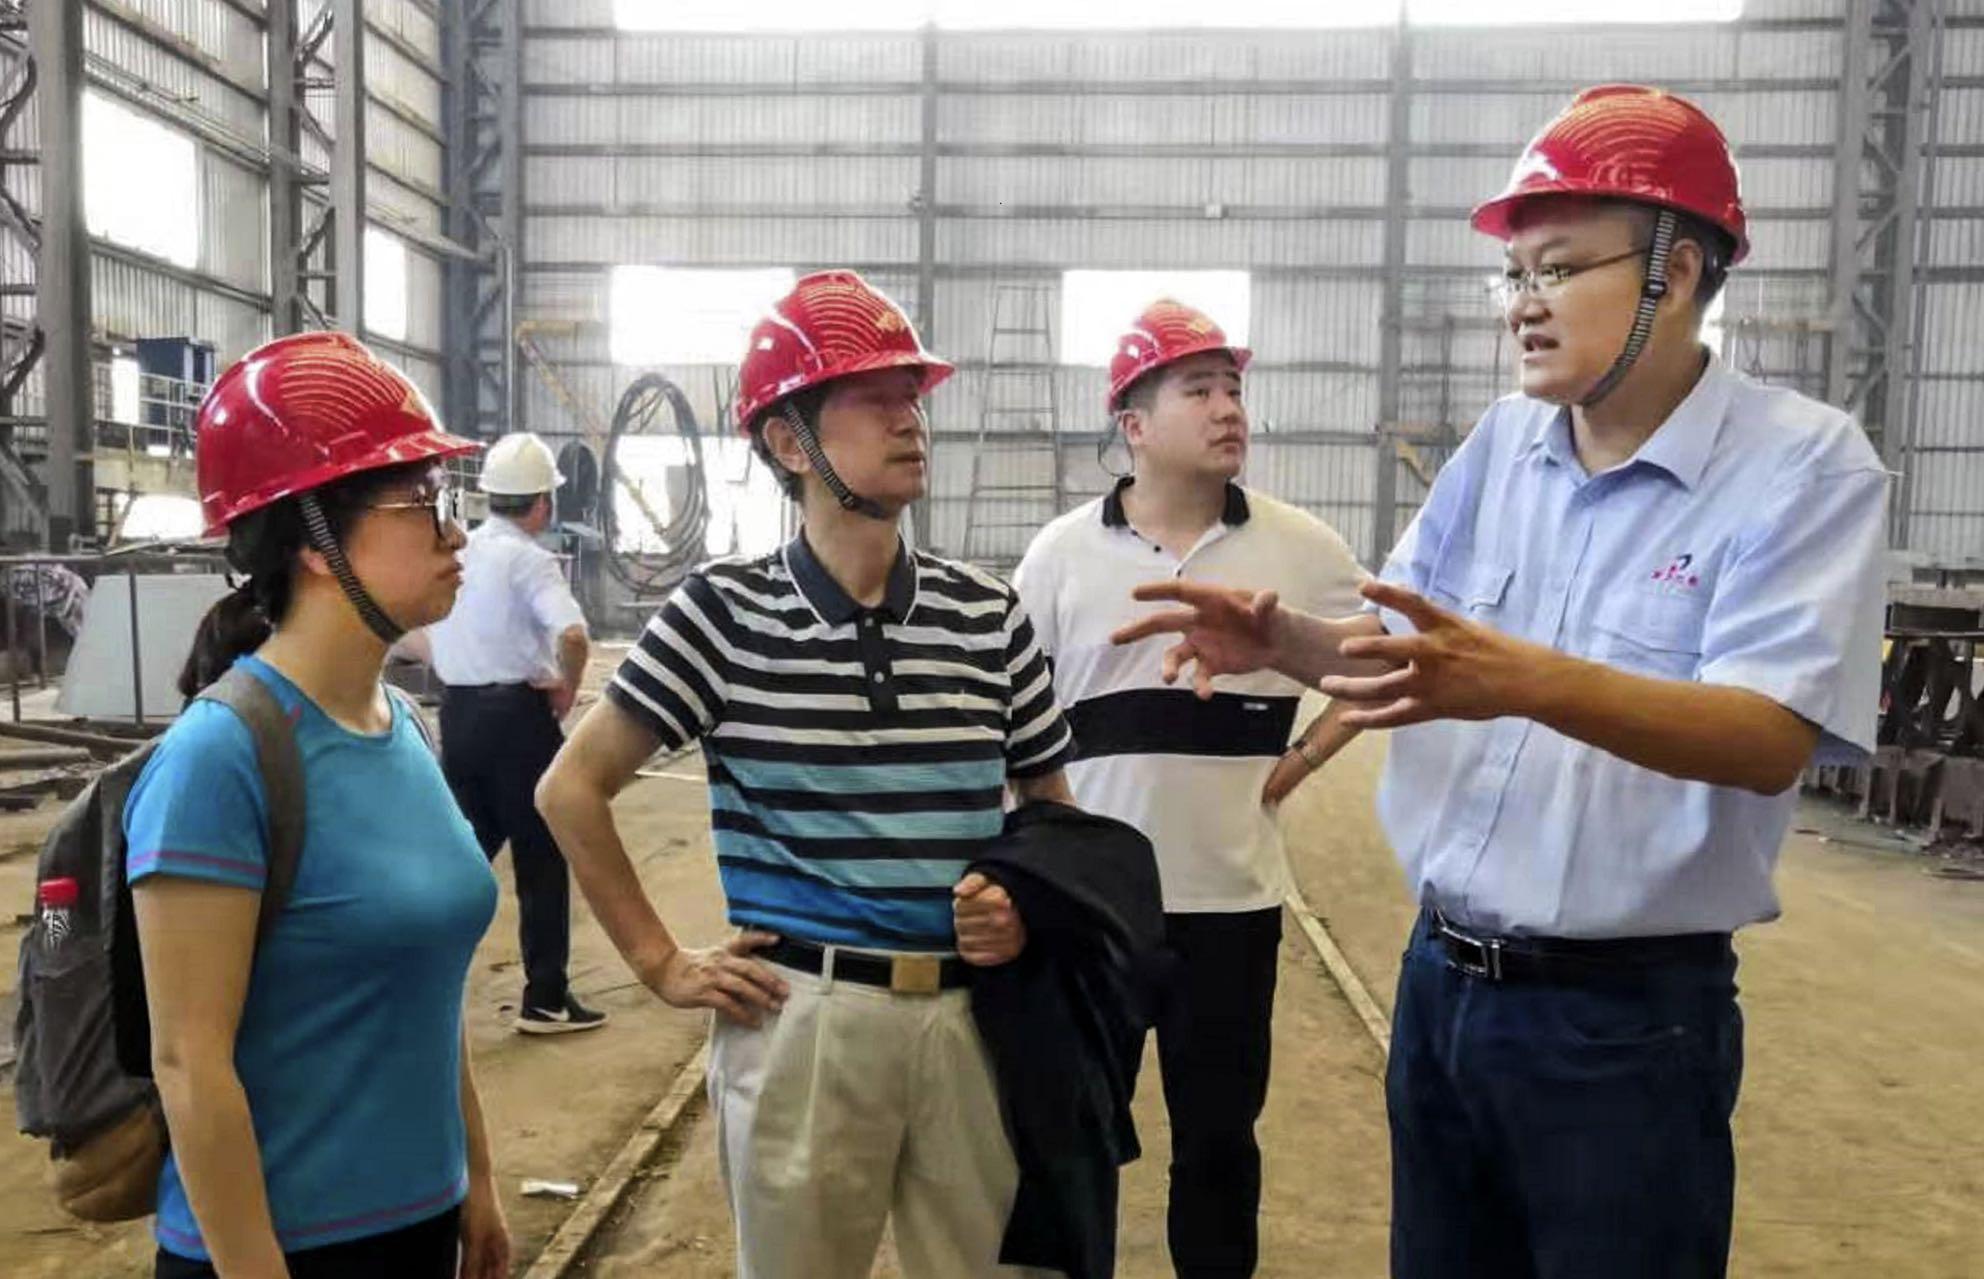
575, 796
1453, 668
198, 940
574, 647
1318, 744
1050, 787
1224, 631
485, 1233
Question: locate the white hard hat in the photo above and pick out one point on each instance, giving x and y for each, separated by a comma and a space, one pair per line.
519, 465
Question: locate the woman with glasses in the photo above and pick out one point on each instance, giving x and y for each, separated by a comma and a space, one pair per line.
316, 1083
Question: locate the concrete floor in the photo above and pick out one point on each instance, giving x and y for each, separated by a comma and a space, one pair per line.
1858, 1131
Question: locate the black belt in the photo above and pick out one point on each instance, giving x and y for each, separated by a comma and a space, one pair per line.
905, 974
488, 690
1568, 960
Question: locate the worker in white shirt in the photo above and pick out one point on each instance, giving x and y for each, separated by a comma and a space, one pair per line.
511, 656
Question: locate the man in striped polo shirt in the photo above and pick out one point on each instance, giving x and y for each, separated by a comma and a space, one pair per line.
1201, 779
862, 709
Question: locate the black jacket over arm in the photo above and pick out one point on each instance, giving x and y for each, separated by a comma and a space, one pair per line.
1065, 1022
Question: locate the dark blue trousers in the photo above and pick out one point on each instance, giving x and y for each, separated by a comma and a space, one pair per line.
1562, 1131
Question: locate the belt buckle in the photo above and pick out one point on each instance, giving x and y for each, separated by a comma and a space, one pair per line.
916, 974
1487, 967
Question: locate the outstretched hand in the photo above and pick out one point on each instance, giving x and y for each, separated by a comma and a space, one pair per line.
1451, 668
1225, 631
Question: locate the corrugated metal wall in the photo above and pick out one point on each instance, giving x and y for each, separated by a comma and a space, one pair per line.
1258, 151
198, 66
1067, 150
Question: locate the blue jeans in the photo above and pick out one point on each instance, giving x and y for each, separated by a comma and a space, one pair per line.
1562, 1131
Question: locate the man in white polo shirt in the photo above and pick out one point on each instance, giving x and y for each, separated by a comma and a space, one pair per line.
1200, 778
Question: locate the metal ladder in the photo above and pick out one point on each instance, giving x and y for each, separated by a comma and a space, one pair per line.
1017, 480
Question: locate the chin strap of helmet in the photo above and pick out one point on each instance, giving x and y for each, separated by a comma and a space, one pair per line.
318, 530
1653, 287
809, 443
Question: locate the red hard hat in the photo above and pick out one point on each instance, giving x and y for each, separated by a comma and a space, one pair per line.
1166, 333
832, 324
296, 413
1632, 143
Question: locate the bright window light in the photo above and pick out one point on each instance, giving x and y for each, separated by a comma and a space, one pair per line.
746, 507
1713, 335
769, 15
385, 284
1507, 13
964, 15
125, 384
684, 315
1096, 306
155, 517
141, 182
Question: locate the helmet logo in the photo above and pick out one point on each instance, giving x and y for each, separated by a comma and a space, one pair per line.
1199, 324
1534, 164
890, 321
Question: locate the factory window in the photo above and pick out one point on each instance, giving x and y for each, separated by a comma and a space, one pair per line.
746, 509
1713, 334
385, 284
683, 315
1500, 13
141, 182
162, 517
905, 15
1096, 306
126, 389
769, 15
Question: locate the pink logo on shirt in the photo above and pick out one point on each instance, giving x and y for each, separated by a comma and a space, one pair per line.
1678, 572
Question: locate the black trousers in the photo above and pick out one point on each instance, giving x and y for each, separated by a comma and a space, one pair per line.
427, 1249
1563, 1131
496, 741
1214, 1034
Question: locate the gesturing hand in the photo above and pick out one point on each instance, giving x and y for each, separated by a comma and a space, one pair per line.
1452, 668
1225, 631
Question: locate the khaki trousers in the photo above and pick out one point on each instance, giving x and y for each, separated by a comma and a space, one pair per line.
852, 1106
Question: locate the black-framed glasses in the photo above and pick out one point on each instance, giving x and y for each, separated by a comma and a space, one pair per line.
443, 503
1548, 281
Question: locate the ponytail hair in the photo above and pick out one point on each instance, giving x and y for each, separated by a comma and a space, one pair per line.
262, 546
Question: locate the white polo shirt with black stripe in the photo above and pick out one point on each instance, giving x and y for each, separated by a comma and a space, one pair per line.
857, 756
1187, 773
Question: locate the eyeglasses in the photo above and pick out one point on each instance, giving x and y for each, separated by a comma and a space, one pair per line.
444, 504
1547, 281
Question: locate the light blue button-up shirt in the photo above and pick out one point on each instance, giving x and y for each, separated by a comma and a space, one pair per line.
1742, 545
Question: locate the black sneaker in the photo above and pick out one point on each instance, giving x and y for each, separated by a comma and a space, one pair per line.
573, 1016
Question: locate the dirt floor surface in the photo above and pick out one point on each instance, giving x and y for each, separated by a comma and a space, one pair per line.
1858, 1132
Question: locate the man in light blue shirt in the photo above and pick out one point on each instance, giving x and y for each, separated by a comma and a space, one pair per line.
1641, 598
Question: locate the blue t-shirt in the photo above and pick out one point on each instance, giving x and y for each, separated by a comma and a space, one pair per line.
349, 1046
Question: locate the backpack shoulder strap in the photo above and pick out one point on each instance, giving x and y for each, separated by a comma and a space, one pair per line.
282, 782
401, 698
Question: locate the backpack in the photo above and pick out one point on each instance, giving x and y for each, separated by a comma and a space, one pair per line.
82, 1076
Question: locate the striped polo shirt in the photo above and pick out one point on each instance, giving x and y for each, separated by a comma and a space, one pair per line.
857, 756
1186, 772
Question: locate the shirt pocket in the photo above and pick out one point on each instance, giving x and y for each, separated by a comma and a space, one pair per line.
1651, 632
1476, 589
